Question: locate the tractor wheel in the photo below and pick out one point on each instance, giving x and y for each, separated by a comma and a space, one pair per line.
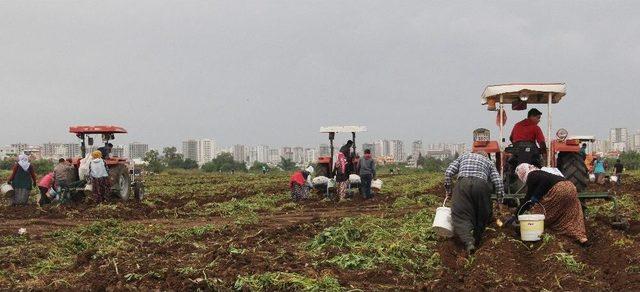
573, 167
123, 186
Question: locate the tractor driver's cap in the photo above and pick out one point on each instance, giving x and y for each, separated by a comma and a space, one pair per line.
534, 113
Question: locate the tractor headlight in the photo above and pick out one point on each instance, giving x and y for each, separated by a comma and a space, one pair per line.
562, 134
524, 96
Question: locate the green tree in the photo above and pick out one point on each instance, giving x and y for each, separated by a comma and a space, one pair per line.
224, 162
7, 164
190, 164
172, 159
286, 164
257, 166
42, 166
630, 160
433, 164
154, 163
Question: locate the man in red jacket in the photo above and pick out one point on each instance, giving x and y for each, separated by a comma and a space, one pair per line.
527, 133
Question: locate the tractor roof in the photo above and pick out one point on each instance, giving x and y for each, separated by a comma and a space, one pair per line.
583, 138
343, 129
96, 130
537, 93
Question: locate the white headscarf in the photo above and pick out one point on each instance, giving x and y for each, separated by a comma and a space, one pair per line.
523, 171
23, 161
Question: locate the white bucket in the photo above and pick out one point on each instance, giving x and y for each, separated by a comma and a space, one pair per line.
531, 225
7, 190
592, 177
376, 184
354, 179
442, 222
613, 178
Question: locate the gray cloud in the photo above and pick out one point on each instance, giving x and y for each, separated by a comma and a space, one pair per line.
273, 72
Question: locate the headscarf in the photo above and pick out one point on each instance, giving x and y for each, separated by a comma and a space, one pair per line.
342, 161
523, 171
23, 161
96, 154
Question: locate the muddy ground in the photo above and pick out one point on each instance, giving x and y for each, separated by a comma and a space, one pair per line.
190, 242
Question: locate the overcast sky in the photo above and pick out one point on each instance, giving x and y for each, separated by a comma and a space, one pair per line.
274, 72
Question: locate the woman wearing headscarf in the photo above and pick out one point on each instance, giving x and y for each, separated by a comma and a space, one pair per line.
599, 169
22, 179
299, 185
342, 176
99, 177
563, 213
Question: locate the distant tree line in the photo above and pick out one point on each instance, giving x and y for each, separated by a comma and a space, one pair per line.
224, 162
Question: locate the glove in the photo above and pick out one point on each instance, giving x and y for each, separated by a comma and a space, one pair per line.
448, 190
534, 200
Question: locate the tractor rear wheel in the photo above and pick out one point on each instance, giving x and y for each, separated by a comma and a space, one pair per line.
573, 167
123, 186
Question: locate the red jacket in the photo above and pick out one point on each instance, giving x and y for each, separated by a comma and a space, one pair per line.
297, 178
527, 131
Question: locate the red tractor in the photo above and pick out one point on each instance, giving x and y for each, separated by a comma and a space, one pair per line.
562, 153
125, 178
325, 163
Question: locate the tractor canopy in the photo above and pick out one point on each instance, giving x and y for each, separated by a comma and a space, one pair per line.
532, 93
343, 129
97, 130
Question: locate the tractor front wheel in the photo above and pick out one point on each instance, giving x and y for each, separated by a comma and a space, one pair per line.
123, 186
573, 167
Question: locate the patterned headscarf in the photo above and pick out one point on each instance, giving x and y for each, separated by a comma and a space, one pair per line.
342, 160
23, 161
523, 171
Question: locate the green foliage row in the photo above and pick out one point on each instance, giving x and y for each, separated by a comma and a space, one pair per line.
407, 243
280, 281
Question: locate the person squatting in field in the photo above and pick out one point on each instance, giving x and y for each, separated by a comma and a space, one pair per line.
99, 177
299, 185
44, 185
558, 196
471, 208
22, 179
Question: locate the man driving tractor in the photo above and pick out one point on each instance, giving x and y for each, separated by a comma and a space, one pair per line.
527, 133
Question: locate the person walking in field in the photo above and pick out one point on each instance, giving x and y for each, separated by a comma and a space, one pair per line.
599, 169
299, 185
618, 169
367, 173
341, 174
471, 208
99, 177
22, 179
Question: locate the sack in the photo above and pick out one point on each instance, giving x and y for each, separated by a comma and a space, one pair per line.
376, 184
320, 180
85, 166
354, 179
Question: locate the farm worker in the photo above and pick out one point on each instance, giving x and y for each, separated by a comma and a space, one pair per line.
618, 168
299, 185
562, 209
45, 183
99, 177
22, 179
599, 169
63, 173
471, 203
310, 170
527, 133
341, 174
367, 173
346, 149
106, 150
583, 150
264, 169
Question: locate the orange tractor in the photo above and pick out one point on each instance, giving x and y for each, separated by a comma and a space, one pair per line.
562, 153
325, 163
125, 178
